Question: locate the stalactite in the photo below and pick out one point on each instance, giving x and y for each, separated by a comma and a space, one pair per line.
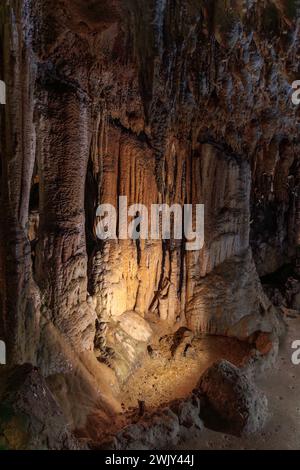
166, 103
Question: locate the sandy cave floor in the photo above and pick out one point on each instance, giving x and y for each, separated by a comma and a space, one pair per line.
161, 380
282, 387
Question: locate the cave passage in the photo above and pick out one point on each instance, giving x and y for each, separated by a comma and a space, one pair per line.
132, 337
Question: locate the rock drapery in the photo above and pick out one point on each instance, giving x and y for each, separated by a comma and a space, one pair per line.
164, 102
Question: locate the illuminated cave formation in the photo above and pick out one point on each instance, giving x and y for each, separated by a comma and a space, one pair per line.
165, 103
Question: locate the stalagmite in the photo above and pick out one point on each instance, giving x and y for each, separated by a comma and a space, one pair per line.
156, 105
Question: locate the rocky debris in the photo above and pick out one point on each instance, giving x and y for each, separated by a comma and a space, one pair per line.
144, 136
122, 342
275, 295
93, 137
289, 313
102, 352
263, 342
135, 326
30, 417
176, 344
283, 288
152, 351
232, 400
162, 429
188, 412
159, 431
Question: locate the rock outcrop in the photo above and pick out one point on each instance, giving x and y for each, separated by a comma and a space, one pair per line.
163, 429
163, 102
232, 399
125, 343
30, 417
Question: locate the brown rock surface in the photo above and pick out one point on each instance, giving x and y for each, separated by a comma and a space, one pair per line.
232, 399
30, 417
185, 102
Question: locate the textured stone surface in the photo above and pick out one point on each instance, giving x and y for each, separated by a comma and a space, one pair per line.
188, 413
160, 432
233, 398
185, 102
158, 125
124, 343
30, 416
163, 429
135, 326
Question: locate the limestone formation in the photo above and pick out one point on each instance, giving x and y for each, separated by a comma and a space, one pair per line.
233, 398
185, 102
165, 428
30, 416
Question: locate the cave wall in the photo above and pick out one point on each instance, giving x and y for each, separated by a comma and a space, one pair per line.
165, 102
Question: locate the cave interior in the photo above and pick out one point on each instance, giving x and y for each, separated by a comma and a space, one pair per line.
128, 343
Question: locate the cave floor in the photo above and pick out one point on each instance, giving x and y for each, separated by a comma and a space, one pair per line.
171, 371
164, 378
282, 387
